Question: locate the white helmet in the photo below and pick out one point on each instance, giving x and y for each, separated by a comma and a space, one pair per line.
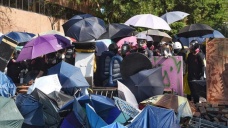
177, 45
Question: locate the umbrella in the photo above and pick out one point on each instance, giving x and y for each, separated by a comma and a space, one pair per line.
43, 45
77, 117
104, 106
132, 40
70, 77
179, 104
46, 84
60, 98
215, 34
51, 116
94, 120
10, 116
73, 20
186, 41
147, 83
126, 94
114, 125
20, 37
158, 36
116, 30
126, 107
31, 110
155, 117
102, 45
86, 29
148, 21
7, 87
174, 16
195, 30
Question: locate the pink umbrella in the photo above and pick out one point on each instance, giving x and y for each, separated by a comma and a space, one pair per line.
132, 40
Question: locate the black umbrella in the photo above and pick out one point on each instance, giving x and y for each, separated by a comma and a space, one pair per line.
51, 116
134, 63
86, 29
195, 30
73, 20
116, 30
146, 83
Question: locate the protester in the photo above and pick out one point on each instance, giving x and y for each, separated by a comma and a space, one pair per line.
195, 66
142, 45
178, 50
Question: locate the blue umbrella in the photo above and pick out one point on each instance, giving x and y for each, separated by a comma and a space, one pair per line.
94, 119
73, 20
114, 125
20, 37
71, 121
70, 77
31, 110
155, 117
7, 87
104, 106
215, 34
86, 29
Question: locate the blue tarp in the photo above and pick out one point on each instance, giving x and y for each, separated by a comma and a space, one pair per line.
7, 87
155, 117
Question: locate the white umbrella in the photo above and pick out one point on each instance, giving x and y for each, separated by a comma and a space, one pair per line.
148, 21
171, 17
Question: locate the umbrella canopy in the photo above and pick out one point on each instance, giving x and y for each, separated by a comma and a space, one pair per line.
20, 37
70, 77
31, 110
126, 107
51, 116
10, 116
7, 87
134, 63
148, 21
147, 83
95, 120
104, 106
116, 30
195, 30
73, 20
154, 117
43, 45
114, 125
215, 34
60, 98
179, 104
158, 36
86, 29
171, 17
46, 84
132, 40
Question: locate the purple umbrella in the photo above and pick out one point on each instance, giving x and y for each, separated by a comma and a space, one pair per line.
42, 45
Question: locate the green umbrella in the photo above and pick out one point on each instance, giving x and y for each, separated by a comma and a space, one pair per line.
10, 116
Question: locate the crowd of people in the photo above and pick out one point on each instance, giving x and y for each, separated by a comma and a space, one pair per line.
193, 59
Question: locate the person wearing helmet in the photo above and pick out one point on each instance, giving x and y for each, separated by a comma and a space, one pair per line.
195, 66
142, 45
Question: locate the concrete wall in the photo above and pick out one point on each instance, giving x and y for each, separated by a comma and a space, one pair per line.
12, 19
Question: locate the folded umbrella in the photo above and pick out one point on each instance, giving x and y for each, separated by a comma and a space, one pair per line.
42, 45
70, 77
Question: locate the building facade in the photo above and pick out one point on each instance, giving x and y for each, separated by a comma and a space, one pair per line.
37, 16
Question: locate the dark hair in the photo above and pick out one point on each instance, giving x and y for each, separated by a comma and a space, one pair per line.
113, 47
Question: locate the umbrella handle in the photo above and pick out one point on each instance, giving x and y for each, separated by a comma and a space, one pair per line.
78, 90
